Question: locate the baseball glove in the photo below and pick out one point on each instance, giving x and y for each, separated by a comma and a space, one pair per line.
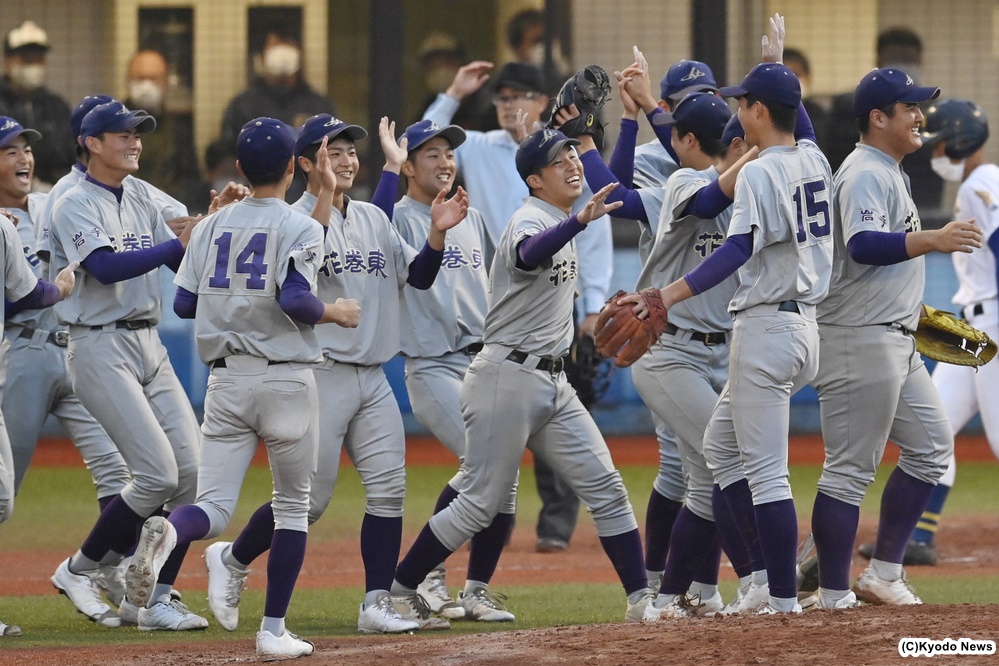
587, 371
588, 89
945, 338
625, 337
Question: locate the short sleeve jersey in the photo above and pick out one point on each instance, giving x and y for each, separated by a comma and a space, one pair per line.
531, 310
683, 242
236, 262
784, 198
872, 194
88, 217
365, 258
18, 278
450, 315
978, 198
27, 232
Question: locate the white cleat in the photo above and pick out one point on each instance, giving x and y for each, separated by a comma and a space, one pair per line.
414, 607
485, 606
710, 606
849, 601
129, 613
433, 589
225, 585
169, 615
636, 611
873, 590
111, 581
680, 608
82, 590
749, 598
767, 609
285, 646
381, 617
156, 542
9, 630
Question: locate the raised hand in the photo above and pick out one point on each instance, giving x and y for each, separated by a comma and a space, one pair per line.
597, 206
631, 107
395, 152
773, 48
959, 236
469, 79
231, 193
448, 213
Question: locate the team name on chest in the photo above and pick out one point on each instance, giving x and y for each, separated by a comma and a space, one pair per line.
455, 258
353, 260
562, 272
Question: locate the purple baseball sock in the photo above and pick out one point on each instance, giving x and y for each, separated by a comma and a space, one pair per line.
739, 498
283, 565
659, 519
692, 537
104, 501
625, 553
381, 539
116, 529
902, 503
834, 526
425, 554
191, 523
256, 537
777, 523
446, 497
487, 546
707, 573
729, 537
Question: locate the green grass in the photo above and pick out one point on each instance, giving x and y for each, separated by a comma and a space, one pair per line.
56, 510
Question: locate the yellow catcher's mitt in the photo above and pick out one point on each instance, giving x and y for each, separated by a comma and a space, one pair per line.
945, 338
625, 337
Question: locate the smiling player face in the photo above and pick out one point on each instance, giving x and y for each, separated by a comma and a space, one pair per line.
431, 168
561, 182
117, 151
17, 166
343, 159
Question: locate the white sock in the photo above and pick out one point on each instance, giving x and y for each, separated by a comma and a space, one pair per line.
702, 590
371, 598
783, 605
80, 563
745, 581
472, 585
399, 589
761, 578
655, 578
275, 625
829, 598
664, 600
160, 590
886, 571
232, 562
638, 595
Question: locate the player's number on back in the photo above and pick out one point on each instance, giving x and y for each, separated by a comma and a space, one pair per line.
814, 212
249, 261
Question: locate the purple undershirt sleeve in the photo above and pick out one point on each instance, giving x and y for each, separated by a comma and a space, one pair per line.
878, 248
724, 261
185, 303
708, 203
44, 295
384, 196
535, 250
297, 300
599, 176
803, 128
622, 161
109, 266
993, 244
424, 268
664, 133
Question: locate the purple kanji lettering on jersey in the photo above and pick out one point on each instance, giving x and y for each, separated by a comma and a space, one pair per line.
476, 258
78, 240
145, 241
376, 263
866, 215
353, 261
708, 243
331, 265
562, 272
453, 258
96, 231
129, 243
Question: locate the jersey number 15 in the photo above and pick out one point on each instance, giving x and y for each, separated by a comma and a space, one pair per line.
815, 213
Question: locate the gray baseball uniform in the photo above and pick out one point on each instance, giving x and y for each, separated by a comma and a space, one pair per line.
115, 352
36, 366
872, 384
262, 385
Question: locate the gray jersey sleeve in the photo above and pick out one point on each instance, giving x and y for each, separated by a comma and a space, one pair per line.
18, 278
76, 227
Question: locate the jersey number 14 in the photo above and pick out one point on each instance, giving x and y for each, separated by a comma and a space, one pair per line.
814, 213
249, 262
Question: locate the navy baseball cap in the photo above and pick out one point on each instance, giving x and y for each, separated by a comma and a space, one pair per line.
83, 108
685, 77
770, 82
882, 87
700, 112
421, 132
264, 146
520, 76
324, 124
733, 129
114, 116
10, 129
539, 149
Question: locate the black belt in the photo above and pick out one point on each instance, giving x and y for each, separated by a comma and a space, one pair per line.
59, 338
129, 324
976, 310
709, 339
220, 363
472, 349
788, 306
553, 365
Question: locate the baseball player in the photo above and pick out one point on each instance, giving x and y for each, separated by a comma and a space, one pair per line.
515, 394
779, 242
872, 383
365, 257
22, 289
248, 279
121, 238
958, 130
486, 161
446, 323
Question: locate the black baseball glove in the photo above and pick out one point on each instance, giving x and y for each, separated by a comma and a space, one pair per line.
587, 371
588, 89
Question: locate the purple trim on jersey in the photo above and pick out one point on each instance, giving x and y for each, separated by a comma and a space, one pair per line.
599, 176
108, 266
692, 537
385, 194
729, 535
777, 523
185, 303
625, 553
664, 133
902, 503
297, 300
739, 498
425, 554
803, 128
81, 167
659, 518
424, 267
256, 537
381, 539
724, 261
44, 295
622, 161
542, 246
486, 548
118, 192
708, 202
878, 248
834, 526
283, 567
